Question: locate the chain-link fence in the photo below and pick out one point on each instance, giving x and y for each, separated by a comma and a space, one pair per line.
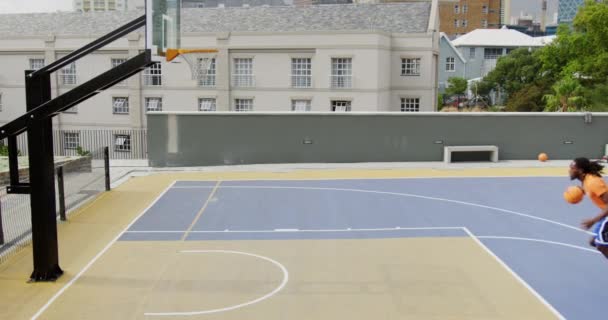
77, 181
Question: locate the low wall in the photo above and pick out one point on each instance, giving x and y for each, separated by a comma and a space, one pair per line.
199, 139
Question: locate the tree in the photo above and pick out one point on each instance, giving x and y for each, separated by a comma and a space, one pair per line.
528, 99
456, 86
567, 96
581, 52
515, 71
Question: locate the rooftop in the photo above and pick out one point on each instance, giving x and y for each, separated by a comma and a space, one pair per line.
496, 38
409, 17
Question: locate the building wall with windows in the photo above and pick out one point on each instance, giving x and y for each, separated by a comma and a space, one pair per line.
451, 62
463, 16
102, 5
294, 69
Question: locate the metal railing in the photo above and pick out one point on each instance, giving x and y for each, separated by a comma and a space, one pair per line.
124, 144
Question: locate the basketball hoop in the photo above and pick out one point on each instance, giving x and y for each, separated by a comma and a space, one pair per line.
201, 61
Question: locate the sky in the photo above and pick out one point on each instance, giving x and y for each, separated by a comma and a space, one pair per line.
21, 6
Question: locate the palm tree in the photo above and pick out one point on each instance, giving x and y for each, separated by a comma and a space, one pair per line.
567, 96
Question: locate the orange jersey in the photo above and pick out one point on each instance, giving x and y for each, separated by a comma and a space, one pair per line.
595, 187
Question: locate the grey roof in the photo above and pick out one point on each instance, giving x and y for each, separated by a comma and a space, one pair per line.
409, 17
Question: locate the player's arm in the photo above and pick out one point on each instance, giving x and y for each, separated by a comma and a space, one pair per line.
587, 224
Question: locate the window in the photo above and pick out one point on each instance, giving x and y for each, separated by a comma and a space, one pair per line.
122, 142
456, 23
492, 53
300, 105
340, 105
206, 104
243, 105
207, 80
115, 63
0, 101
465, 23
67, 74
153, 76
71, 140
154, 104
472, 52
410, 104
120, 105
301, 72
484, 9
450, 64
456, 9
243, 72
36, 64
484, 23
410, 66
465, 8
341, 72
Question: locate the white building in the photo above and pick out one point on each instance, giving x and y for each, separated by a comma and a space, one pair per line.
317, 58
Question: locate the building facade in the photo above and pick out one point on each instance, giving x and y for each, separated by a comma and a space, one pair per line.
108, 5
186, 4
451, 62
475, 54
567, 9
390, 65
464, 16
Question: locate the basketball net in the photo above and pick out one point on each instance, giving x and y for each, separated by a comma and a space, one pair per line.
200, 61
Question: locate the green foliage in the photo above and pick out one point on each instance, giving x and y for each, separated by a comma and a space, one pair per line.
566, 96
81, 152
597, 97
568, 75
515, 71
4, 151
456, 86
528, 99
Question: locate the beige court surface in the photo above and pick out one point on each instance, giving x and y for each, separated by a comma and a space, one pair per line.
407, 278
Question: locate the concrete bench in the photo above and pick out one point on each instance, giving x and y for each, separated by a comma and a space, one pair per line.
447, 151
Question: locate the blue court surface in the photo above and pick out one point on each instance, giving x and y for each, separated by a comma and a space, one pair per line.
524, 221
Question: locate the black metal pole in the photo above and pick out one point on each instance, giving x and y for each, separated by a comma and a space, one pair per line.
42, 182
106, 166
1, 226
61, 192
13, 160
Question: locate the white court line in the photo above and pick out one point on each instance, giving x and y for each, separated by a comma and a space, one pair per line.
522, 281
541, 241
301, 230
371, 179
71, 282
412, 196
266, 296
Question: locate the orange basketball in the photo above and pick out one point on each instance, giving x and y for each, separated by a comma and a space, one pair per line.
574, 195
543, 157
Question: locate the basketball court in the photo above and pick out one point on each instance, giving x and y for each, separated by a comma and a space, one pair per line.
304, 244
325, 244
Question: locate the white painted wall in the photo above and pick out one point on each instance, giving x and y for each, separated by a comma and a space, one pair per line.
378, 84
